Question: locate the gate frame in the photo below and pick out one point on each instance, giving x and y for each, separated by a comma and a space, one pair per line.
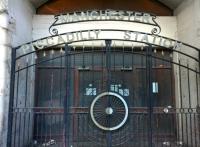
14, 58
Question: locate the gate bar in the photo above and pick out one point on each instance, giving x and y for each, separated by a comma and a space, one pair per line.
149, 92
66, 99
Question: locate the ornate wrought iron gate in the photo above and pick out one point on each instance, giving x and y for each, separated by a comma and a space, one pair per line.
105, 96
114, 102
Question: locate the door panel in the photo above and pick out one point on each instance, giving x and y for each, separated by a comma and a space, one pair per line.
126, 75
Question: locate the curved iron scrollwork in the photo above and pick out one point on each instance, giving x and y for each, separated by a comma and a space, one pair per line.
157, 29
54, 31
198, 109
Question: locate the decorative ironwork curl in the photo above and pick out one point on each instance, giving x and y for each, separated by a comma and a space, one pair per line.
53, 31
157, 29
198, 109
190, 110
182, 110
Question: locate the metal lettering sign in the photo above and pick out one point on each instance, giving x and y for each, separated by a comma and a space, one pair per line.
100, 35
105, 15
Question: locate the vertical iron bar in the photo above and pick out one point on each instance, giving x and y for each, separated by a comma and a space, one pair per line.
144, 86
83, 75
37, 127
24, 110
108, 66
45, 126
181, 102
132, 79
61, 95
149, 92
102, 67
190, 107
42, 125
198, 102
51, 96
196, 123
29, 120
19, 134
197, 87
186, 128
93, 82
176, 121
17, 88
51, 105
123, 71
66, 99
11, 99
123, 67
60, 80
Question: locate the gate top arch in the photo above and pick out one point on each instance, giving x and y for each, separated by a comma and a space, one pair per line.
94, 35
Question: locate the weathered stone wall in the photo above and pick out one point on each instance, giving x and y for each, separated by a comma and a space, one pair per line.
5, 49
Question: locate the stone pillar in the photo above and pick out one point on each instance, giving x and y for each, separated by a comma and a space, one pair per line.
5, 55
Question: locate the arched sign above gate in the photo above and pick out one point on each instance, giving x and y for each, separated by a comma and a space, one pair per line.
87, 35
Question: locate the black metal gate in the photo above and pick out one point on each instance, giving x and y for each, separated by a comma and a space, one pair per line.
105, 95
130, 74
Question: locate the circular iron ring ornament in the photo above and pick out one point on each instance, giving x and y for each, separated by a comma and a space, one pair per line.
109, 112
